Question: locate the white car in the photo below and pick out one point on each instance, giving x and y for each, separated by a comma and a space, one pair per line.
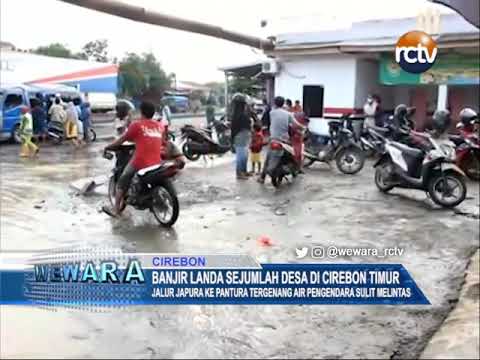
102, 102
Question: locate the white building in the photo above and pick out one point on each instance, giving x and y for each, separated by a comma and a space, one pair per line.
20, 67
332, 72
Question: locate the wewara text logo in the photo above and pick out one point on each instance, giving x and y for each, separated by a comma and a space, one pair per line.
416, 52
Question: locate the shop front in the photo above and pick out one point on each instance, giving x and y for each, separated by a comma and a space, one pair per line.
457, 73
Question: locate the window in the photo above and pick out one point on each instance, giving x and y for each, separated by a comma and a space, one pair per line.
13, 100
313, 100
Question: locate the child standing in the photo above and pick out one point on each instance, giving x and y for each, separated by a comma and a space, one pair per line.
256, 147
28, 148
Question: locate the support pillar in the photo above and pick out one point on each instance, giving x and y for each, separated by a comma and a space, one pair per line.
226, 96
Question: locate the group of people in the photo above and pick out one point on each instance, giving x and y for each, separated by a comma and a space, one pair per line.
284, 122
73, 117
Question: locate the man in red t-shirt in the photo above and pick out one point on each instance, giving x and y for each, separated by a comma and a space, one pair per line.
148, 136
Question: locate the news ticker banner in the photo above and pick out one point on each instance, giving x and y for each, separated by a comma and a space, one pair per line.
111, 278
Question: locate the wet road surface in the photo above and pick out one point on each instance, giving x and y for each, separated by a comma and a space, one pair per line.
41, 210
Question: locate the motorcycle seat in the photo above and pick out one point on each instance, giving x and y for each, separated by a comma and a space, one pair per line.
147, 170
56, 125
456, 139
417, 153
155, 168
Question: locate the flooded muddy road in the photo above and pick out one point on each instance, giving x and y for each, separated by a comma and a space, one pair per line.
40, 209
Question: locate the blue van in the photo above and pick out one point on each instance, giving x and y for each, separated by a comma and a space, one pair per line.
12, 98
177, 103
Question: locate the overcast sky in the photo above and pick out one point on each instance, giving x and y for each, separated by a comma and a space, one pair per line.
28, 24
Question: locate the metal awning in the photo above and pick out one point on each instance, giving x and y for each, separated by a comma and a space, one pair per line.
245, 70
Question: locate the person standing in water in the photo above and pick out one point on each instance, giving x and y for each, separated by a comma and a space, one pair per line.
27, 148
241, 134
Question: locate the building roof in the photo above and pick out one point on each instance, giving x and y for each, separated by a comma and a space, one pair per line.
375, 33
247, 70
6, 45
190, 85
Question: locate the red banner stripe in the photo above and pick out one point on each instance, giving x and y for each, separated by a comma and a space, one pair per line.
84, 73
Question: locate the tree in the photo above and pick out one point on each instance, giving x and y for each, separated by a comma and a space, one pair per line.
244, 85
96, 50
217, 92
142, 77
55, 50
58, 50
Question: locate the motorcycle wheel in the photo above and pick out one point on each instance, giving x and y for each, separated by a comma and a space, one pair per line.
112, 189
165, 206
188, 154
380, 180
437, 191
350, 160
277, 181
471, 166
92, 135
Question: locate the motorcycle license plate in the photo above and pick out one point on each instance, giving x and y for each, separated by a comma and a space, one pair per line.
450, 166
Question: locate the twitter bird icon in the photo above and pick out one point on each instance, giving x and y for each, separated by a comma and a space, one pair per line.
301, 253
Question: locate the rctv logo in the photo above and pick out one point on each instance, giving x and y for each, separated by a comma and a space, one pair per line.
415, 52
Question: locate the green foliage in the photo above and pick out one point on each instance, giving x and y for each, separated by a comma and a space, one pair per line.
198, 95
244, 85
96, 50
217, 93
58, 50
143, 76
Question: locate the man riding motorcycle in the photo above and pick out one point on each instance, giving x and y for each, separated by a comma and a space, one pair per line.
149, 138
124, 111
280, 122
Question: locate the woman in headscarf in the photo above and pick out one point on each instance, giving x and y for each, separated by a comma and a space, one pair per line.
241, 134
71, 131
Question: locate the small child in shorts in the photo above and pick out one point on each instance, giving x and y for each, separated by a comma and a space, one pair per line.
256, 148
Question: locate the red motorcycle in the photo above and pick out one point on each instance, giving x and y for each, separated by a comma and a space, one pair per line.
468, 152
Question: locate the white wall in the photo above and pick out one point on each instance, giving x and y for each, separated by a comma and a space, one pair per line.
336, 73
368, 82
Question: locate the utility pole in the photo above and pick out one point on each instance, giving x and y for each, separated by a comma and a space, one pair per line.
140, 14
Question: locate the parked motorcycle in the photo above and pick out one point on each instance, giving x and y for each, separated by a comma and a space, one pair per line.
432, 170
199, 142
151, 188
222, 130
468, 153
281, 162
341, 146
56, 132
371, 140
396, 127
